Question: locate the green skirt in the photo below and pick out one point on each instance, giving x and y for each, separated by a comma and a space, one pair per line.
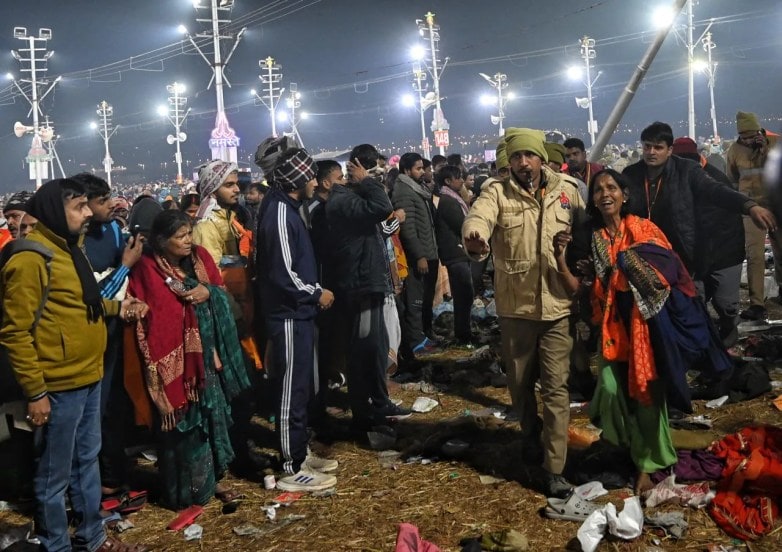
627, 423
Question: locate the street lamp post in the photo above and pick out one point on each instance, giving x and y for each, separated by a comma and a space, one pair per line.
711, 69
177, 114
440, 126
500, 82
420, 77
106, 131
294, 102
270, 76
33, 60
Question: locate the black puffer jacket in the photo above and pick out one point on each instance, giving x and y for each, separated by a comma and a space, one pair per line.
685, 190
448, 226
417, 231
720, 231
357, 251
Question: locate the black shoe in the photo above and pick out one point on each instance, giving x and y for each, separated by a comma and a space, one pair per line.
392, 413
754, 312
556, 486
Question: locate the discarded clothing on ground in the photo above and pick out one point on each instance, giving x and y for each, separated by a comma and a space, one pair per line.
626, 525
408, 540
695, 495
693, 465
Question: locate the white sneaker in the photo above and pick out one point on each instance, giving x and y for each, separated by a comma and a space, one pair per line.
306, 481
323, 465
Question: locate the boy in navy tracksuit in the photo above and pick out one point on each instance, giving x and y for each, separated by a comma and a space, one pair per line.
291, 298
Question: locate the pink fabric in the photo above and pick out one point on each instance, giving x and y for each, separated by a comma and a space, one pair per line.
408, 540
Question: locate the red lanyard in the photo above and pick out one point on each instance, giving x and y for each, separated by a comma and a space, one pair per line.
649, 201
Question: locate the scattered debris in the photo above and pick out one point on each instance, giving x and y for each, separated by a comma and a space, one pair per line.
424, 404
246, 530
193, 532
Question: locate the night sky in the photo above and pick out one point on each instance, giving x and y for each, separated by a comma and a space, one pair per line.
352, 64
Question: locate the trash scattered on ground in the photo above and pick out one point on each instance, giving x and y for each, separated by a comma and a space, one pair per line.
490, 479
673, 523
122, 525
149, 455
508, 540
288, 498
246, 530
388, 458
692, 422
271, 511
454, 447
591, 490
193, 532
696, 495
422, 386
424, 404
626, 525
409, 540
582, 436
716, 403
324, 493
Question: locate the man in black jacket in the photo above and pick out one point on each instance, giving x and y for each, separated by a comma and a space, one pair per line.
362, 281
721, 248
420, 246
670, 191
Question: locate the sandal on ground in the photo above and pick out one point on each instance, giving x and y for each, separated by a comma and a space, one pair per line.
125, 502
573, 508
113, 545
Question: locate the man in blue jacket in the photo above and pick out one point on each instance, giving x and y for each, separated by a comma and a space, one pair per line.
291, 297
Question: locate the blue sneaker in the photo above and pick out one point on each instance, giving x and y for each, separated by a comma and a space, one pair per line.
427, 346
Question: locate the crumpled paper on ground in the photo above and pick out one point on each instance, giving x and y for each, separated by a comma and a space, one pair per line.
626, 525
696, 495
672, 522
590, 490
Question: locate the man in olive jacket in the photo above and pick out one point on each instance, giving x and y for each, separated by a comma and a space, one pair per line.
418, 241
519, 219
58, 362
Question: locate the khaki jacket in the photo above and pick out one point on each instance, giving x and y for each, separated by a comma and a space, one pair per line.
66, 350
216, 234
521, 235
745, 166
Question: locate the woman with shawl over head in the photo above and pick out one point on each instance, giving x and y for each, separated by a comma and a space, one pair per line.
653, 326
191, 360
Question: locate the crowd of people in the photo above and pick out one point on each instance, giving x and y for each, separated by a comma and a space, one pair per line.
165, 314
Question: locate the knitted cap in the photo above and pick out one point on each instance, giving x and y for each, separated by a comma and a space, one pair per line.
269, 150
746, 122
525, 139
684, 144
18, 201
501, 159
556, 152
295, 172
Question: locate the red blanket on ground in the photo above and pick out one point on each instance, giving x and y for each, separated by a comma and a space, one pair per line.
746, 505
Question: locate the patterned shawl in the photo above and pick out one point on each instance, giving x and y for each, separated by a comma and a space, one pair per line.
638, 259
169, 338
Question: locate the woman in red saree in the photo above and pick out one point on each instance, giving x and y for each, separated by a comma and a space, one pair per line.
653, 327
191, 360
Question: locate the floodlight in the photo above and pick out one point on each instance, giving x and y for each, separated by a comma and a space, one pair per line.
408, 100
575, 72
417, 52
20, 32
45, 34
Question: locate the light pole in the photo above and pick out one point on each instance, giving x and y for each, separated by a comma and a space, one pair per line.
500, 82
106, 130
33, 61
420, 86
224, 141
270, 76
711, 71
431, 33
587, 54
176, 113
294, 102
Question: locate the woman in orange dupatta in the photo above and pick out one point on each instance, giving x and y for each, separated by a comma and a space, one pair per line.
653, 327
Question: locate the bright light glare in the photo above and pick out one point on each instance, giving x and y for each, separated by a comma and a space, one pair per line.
179, 87
93, 125
510, 96
282, 116
305, 115
408, 100
486, 99
417, 52
181, 29
663, 17
574, 73
700, 65
253, 92
9, 76
162, 110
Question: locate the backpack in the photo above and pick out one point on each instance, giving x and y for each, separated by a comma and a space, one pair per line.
9, 388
